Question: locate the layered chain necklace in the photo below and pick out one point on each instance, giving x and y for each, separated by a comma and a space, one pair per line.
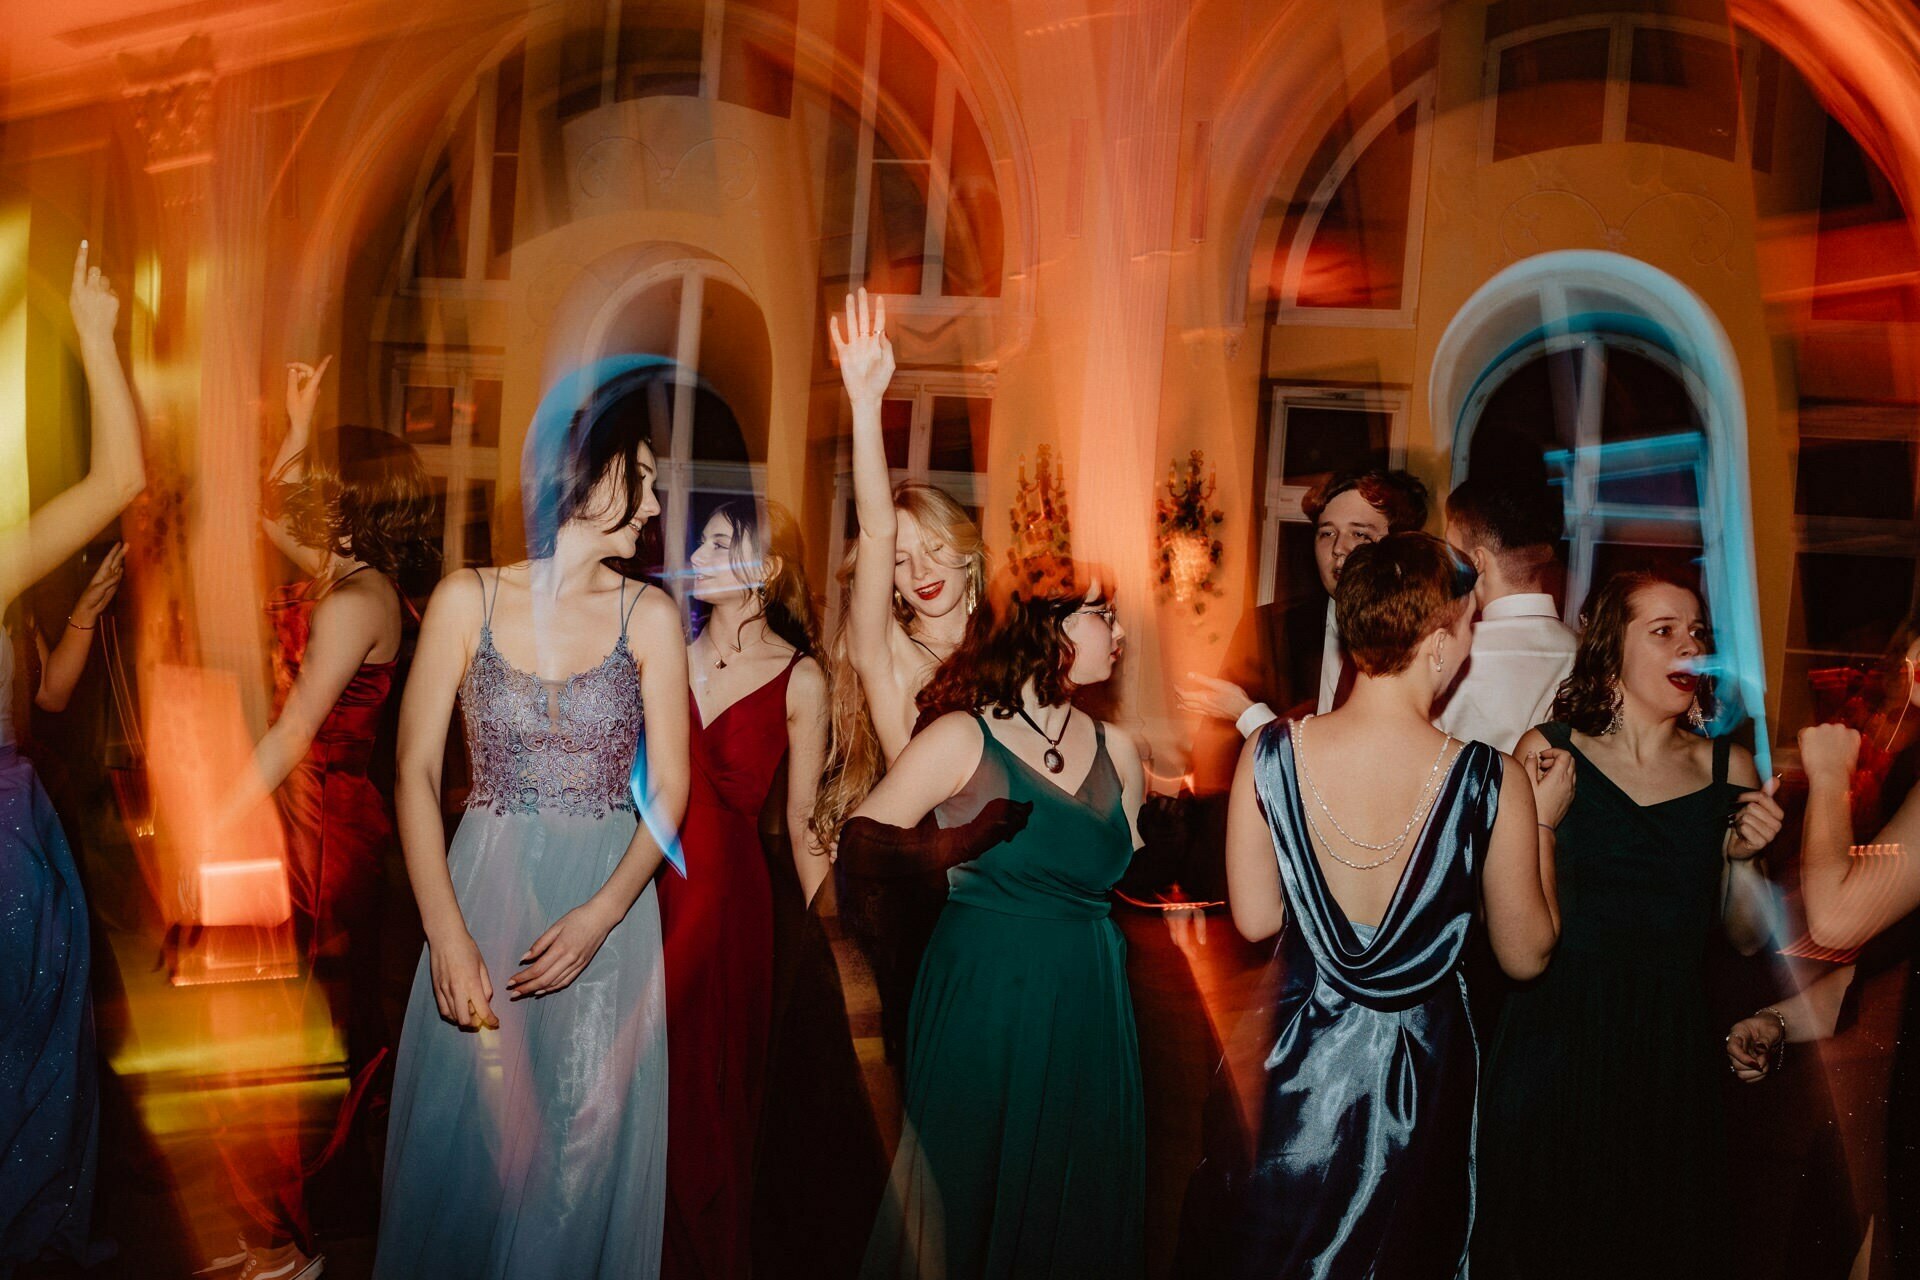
1392, 846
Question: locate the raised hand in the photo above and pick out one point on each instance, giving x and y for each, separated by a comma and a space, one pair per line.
1755, 823
462, 987
101, 590
1829, 753
303, 392
562, 953
865, 353
92, 300
1551, 773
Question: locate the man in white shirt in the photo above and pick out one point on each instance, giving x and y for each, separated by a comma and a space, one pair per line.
1348, 509
1521, 649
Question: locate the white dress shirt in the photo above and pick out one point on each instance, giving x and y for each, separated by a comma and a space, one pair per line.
1521, 653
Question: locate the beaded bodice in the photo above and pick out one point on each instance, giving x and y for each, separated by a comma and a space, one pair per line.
542, 746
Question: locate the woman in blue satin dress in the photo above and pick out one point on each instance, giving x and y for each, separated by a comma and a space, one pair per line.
1376, 875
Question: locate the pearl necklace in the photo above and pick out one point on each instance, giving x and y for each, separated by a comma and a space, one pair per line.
1392, 846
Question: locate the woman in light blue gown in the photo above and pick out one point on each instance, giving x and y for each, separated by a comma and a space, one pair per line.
528, 1136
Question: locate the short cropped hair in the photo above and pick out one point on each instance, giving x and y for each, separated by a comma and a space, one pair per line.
1400, 496
1393, 594
1507, 514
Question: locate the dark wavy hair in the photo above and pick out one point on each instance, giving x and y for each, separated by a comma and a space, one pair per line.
606, 435
1590, 694
363, 493
772, 534
1028, 640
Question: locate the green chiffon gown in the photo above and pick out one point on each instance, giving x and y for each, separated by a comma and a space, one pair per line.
1023, 1152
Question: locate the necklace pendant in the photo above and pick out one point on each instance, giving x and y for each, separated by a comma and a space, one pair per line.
719, 664
1054, 761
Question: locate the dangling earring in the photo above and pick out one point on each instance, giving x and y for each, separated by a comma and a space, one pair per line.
1439, 658
972, 595
1613, 725
899, 602
1697, 717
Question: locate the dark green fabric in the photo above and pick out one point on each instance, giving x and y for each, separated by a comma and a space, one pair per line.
1023, 1151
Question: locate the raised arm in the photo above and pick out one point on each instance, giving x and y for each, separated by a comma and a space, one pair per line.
1253, 871
1517, 886
1850, 896
563, 952
289, 464
461, 985
806, 758
866, 367
61, 669
116, 471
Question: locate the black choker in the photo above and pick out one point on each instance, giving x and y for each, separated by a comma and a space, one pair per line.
1054, 761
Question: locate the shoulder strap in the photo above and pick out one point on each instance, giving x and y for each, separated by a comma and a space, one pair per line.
626, 610
1722, 750
1557, 733
486, 600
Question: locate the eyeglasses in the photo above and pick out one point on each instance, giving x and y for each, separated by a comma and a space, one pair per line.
1104, 612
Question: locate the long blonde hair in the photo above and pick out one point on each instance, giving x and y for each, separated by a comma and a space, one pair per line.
854, 758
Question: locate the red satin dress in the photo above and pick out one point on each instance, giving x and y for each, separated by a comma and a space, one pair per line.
717, 927
338, 823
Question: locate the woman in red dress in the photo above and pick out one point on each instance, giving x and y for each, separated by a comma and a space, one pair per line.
351, 509
759, 698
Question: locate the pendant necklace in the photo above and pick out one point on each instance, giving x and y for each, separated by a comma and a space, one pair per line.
719, 659
1054, 761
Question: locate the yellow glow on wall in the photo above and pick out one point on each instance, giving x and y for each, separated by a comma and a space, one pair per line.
13, 364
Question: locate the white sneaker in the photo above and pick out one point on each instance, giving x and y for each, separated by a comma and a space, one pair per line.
229, 1262
284, 1263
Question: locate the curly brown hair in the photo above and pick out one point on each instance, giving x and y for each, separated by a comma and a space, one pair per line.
1590, 695
1028, 641
364, 494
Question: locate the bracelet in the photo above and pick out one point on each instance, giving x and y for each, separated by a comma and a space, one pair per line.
77, 627
1545, 827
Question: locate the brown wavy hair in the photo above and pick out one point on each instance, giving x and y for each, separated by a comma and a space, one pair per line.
773, 533
364, 494
1396, 592
854, 758
1590, 694
1028, 642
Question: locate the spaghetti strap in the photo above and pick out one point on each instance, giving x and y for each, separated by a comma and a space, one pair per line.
626, 610
486, 601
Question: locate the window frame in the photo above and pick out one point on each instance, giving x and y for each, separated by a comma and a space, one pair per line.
1619, 82
1287, 309
459, 463
1280, 503
473, 282
951, 93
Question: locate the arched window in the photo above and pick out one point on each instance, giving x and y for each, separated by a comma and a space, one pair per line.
1351, 253
462, 226
1611, 78
738, 51
926, 217
1616, 425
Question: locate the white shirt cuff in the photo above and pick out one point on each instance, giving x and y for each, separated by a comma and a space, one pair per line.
1254, 718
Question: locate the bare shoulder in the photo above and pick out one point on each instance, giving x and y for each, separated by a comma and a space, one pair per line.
1741, 769
956, 730
1121, 746
807, 686
458, 596
655, 616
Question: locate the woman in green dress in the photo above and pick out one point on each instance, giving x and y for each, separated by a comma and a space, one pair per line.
1024, 1145
1600, 1150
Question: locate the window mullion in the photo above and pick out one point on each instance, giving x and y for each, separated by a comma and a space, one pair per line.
713, 26
939, 185
1613, 120
863, 160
